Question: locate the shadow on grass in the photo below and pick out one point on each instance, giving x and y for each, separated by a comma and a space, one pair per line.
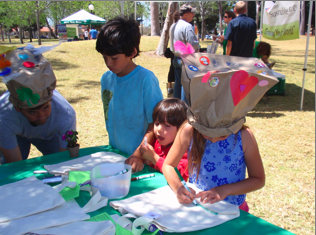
259, 114
64, 52
294, 66
77, 100
279, 103
86, 84
58, 64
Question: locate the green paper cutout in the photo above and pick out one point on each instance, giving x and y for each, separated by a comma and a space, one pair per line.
101, 217
27, 94
75, 176
122, 231
106, 98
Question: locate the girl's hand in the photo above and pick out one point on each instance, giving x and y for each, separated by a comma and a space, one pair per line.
184, 196
146, 162
214, 195
148, 153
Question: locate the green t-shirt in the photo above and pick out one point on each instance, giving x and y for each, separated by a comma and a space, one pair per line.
224, 44
255, 52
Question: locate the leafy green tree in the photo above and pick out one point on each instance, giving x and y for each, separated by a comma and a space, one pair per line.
14, 13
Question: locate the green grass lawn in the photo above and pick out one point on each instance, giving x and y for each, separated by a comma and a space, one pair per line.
285, 135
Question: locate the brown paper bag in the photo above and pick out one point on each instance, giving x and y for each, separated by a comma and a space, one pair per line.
33, 79
221, 90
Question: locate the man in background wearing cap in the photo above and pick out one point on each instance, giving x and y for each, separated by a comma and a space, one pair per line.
184, 32
241, 33
31, 110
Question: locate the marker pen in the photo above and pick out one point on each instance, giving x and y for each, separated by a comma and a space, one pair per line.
185, 185
142, 177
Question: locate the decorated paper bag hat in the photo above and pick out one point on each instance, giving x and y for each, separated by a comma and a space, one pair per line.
222, 89
28, 76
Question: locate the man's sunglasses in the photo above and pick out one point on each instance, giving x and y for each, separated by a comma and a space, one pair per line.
225, 16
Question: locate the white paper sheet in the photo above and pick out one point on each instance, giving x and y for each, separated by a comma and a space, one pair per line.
176, 217
85, 163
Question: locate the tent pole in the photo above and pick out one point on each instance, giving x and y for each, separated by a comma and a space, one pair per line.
306, 51
261, 19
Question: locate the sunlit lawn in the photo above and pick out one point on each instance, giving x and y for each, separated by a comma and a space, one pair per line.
285, 135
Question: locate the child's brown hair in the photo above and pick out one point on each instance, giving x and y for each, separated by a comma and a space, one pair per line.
171, 110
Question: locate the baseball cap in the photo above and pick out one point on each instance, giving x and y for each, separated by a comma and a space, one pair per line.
185, 8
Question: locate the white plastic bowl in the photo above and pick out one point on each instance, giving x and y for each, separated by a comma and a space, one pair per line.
113, 187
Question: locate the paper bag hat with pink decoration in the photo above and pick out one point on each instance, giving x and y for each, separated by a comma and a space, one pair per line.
222, 89
28, 76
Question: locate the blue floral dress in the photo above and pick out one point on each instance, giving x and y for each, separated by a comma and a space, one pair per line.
222, 163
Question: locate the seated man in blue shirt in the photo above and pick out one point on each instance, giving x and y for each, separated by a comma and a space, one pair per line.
241, 33
31, 110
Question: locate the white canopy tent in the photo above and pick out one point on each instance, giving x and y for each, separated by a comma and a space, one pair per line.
83, 17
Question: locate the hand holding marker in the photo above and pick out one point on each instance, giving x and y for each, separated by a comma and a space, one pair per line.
194, 201
185, 185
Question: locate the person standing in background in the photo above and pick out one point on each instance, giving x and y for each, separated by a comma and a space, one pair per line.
93, 33
184, 32
228, 16
169, 53
86, 35
241, 33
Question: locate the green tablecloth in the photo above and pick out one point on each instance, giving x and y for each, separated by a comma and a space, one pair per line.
245, 224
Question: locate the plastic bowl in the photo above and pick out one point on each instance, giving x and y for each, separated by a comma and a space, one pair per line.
115, 186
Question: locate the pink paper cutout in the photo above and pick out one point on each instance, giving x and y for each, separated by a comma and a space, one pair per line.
183, 49
263, 83
239, 79
206, 77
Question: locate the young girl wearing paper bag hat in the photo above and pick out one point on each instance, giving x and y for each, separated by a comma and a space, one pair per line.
220, 147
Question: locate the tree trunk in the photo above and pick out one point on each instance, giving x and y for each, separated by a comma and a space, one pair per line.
56, 30
30, 33
51, 30
202, 12
202, 27
154, 12
9, 37
162, 46
257, 13
38, 24
302, 25
220, 17
2, 33
20, 34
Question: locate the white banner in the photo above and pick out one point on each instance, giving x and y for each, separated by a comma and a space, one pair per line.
281, 20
